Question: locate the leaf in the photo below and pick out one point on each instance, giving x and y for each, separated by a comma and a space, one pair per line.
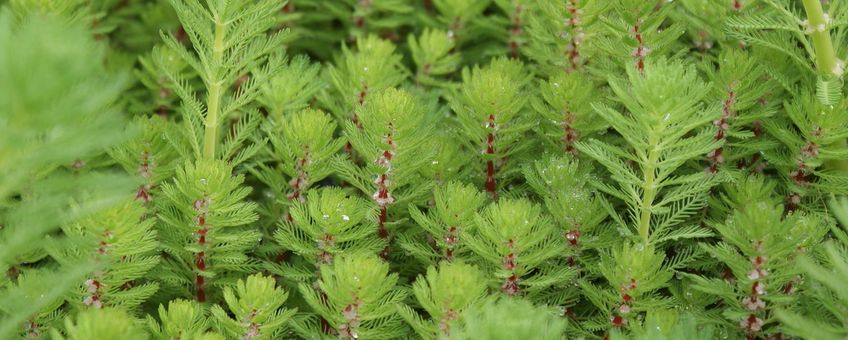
828, 90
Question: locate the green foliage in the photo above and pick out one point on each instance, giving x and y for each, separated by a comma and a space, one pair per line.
158, 93
290, 88
255, 305
463, 20
667, 325
565, 106
632, 32
490, 108
57, 109
329, 224
663, 101
101, 324
760, 247
813, 136
123, 244
230, 44
438, 169
510, 319
740, 85
183, 319
203, 214
433, 56
356, 296
363, 17
444, 294
514, 243
389, 134
578, 214
449, 222
34, 294
557, 34
822, 309
303, 144
634, 273
357, 74
150, 156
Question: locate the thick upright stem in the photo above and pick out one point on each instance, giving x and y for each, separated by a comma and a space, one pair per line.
826, 61
649, 190
210, 136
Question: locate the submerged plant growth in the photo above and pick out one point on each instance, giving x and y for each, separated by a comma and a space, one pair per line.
436, 169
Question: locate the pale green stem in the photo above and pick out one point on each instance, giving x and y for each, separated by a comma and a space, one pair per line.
210, 136
826, 61
649, 190
825, 55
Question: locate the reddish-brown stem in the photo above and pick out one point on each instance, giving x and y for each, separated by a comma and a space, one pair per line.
32, 329
491, 185
326, 328
623, 309
13, 273
753, 303
281, 256
145, 170
510, 286
569, 133
451, 239
574, 22
573, 237
455, 28
200, 283
200, 261
736, 5
143, 193
348, 148
382, 232
716, 156
801, 175
381, 226
299, 183
358, 20
640, 51
515, 31
383, 197
360, 98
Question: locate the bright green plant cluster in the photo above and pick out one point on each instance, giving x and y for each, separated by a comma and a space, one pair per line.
437, 169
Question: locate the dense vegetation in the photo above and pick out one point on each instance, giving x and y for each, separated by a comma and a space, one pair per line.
451, 169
